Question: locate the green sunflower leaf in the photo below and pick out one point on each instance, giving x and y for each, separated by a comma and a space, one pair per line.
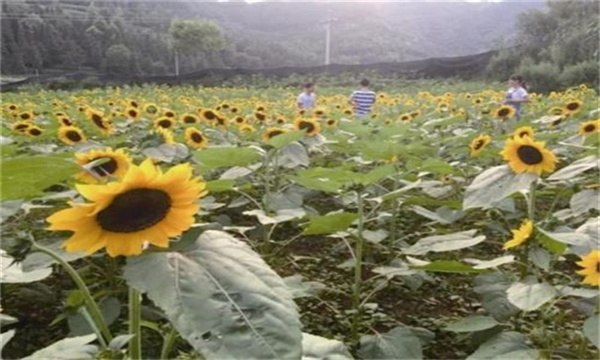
222, 298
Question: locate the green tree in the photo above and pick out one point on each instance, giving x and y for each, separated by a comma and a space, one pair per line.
193, 37
118, 58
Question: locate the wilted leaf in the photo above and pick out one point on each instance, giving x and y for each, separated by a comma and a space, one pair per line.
76, 348
449, 242
529, 295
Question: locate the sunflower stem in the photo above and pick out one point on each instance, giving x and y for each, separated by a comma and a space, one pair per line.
168, 343
91, 305
358, 252
531, 217
135, 329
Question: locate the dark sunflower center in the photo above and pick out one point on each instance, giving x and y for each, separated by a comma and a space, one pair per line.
274, 133
132, 113
189, 119
523, 133
135, 210
209, 115
67, 122
25, 116
503, 112
98, 121
479, 144
572, 106
134, 104
21, 127
35, 132
169, 114
330, 122
106, 168
530, 155
260, 116
73, 136
165, 124
598, 267
309, 127
589, 128
239, 120
197, 138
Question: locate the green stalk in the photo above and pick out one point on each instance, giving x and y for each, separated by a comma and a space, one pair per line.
168, 343
135, 329
91, 305
531, 216
358, 251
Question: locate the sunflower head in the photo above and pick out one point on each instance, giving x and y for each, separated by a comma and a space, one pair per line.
209, 115
504, 112
260, 116
331, 123
21, 126
406, 117
272, 132
523, 131
573, 107
479, 143
102, 165
312, 127
65, 121
525, 155
132, 113
591, 268
520, 235
164, 122
146, 206
589, 127
195, 138
71, 135
151, 109
26, 115
34, 131
169, 113
189, 119
165, 134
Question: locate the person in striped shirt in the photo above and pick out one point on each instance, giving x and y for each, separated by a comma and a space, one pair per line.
362, 99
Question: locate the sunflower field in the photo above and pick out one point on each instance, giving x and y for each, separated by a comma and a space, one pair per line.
161, 222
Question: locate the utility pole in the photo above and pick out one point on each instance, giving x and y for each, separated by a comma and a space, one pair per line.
328, 23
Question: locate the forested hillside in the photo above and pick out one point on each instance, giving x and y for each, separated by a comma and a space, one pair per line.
134, 37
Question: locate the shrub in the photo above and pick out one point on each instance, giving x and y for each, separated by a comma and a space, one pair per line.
542, 77
585, 72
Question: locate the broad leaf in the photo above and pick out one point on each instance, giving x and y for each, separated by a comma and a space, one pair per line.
222, 298
488, 264
279, 217
472, 323
118, 342
495, 184
576, 168
492, 289
584, 201
530, 294
5, 337
12, 272
328, 224
320, 348
76, 348
398, 343
216, 186
446, 266
299, 288
282, 140
499, 346
590, 329
440, 243
39, 260
27, 177
217, 157
292, 156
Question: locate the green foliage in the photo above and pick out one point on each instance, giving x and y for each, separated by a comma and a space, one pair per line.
193, 36
585, 72
17, 179
543, 77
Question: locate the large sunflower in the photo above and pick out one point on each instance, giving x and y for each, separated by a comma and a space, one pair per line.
272, 132
525, 155
523, 131
589, 127
312, 127
71, 135
479, 143
102, 124
573, 107
195, 138
591, 268
209, 115
132, 113
115, 165
189, 118
504, 112
34, 131
520, 235
147, 206
164, 122
21, 126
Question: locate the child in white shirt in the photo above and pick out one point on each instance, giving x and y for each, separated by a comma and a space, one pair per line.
517, 94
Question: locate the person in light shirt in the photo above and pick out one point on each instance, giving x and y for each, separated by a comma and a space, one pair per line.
308, 98
517, 94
